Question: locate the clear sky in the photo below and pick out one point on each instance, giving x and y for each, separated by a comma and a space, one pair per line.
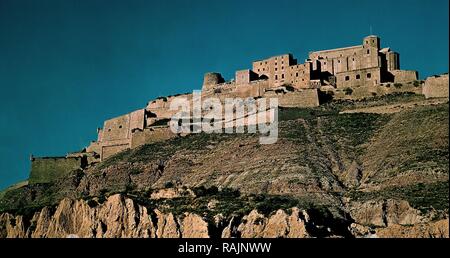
67, 65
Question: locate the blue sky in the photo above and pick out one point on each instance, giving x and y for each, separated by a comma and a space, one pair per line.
67, 65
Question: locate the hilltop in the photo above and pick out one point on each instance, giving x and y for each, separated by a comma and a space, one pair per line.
339, 169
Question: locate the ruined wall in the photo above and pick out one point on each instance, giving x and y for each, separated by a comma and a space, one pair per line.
46, 170
150, 135
377, 90
300, 98
401, 76
111, 149
212, 79
436, 87
161, 107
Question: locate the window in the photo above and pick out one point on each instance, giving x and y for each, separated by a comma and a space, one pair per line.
282, 62
276, 69
120, 126
282, 67
264, 69
367, 42
324, 63
258, 70
282, 76
369, 75
109, 130
296, 74
266, 62
368, 51
276, 77
353, 59
358, 77
260, 63
347, 78
339, 61
275, 63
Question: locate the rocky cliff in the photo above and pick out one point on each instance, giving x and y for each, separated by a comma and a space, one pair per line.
121, 217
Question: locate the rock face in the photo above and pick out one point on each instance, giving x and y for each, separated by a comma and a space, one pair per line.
122, 217
256, 225
384, 213
117, 217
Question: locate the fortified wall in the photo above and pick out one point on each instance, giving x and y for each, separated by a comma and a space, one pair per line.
436, 86
345, 73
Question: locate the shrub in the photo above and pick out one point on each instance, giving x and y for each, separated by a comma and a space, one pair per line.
398, 85
348, 91
168, 185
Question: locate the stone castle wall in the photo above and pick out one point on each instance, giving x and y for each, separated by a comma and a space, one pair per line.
301, 98
150, 135
402, 76
436, 87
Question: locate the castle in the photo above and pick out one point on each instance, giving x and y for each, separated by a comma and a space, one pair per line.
365, 69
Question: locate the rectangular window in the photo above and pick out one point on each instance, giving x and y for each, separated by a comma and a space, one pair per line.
368, 51
358, 77
296, 74
276, 77
347, 78
282, 76
276, 69
369, 75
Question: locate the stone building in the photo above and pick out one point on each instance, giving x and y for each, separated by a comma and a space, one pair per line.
365, 64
